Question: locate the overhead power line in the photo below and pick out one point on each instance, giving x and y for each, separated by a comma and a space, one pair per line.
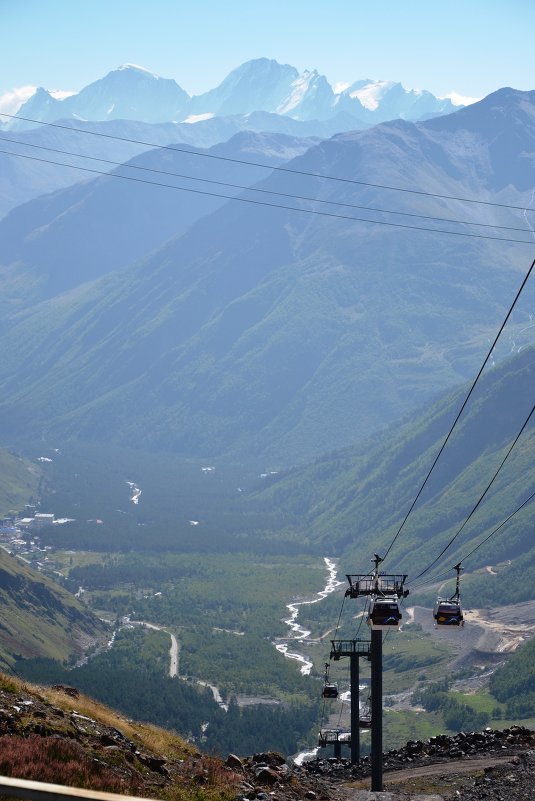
264, 191
461, 410
282, 206
262, 165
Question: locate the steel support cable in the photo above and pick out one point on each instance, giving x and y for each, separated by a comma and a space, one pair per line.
463, 406
263, 191
389, 632
483, 541
366, 607
481, 497
339, 617
322, 718
344, 701
335, 632
316, 212
507, 519
277, 168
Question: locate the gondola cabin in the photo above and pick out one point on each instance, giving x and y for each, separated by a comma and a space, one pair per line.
365, 722
384, 614
448, 613
330, 690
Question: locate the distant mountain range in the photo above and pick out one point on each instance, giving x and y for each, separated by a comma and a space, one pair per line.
134, 93
268, 333
28, 163
131, 103
40, 237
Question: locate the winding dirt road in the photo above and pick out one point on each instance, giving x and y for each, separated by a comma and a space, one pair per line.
174, 650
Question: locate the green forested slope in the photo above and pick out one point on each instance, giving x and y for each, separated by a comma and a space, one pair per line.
19, 481
39, 618
269, 332
354, 501
514, 682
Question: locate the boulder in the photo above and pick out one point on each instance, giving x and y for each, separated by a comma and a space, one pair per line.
234, 762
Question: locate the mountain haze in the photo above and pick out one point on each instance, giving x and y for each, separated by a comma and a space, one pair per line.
133, 93
285, 333
350, 498
133, 103
67, 238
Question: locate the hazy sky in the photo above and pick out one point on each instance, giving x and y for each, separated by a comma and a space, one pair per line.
469, 46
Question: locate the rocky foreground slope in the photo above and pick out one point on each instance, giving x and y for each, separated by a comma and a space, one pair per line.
58, 735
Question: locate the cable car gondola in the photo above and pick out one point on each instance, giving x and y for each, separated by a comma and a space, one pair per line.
330, 688
448, 611
365, 715
384, 613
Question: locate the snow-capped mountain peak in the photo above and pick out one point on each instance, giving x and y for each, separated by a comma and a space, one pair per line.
133, 92
138, 68
370, 93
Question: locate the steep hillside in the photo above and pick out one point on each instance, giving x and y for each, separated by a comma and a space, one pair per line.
39, 618
29, 159
62, 737
74, 235
267, 332
354, 501
19, 482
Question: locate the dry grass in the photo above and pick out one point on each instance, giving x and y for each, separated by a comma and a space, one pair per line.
146, 736
55, 759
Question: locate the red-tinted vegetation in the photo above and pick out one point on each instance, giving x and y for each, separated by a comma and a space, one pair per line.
59, 761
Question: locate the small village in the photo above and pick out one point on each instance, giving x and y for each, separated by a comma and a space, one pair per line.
19, 535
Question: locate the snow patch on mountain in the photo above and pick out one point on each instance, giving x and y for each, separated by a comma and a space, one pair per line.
372, 93
340, 86
60, 94
460, 100
138, 68
132, 92
193, 118
300, 87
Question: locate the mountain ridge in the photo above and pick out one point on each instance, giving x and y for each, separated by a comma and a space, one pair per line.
131, 92
40, 618
269, 329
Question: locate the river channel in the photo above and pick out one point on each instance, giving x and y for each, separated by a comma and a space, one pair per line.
299, 635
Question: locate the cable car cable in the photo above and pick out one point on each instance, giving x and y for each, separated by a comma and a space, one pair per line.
481, 497
264, 191
463, 406
433, 579
487, 538
365, 612
277, 168
274, 205
344, 701
339, 617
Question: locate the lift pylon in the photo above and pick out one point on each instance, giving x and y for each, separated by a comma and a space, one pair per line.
354, 649
336, 738
389, 588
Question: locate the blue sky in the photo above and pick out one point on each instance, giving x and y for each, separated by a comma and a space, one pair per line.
469, 46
